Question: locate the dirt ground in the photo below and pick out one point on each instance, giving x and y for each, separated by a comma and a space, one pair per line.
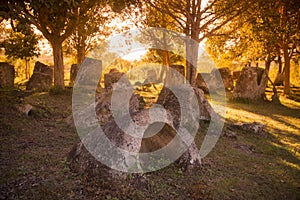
34, 149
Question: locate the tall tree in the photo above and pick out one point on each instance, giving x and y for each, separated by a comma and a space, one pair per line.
289, 12
90, 30
198, 21
155, 18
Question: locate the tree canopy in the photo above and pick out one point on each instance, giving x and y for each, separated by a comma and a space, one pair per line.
198, 21
269, 32
22, 43
56, 19
237, 31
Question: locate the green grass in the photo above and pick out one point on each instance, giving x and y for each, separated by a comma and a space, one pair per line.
266, 166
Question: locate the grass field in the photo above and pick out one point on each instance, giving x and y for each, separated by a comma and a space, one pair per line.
246, 166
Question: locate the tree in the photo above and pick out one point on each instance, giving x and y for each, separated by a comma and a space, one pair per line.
155, 18
90, 30
158, 56
279, 27
198, 21
289, 35
56, 19
22, 43
237, 47
273, 26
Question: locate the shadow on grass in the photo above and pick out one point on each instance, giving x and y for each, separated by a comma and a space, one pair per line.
33, 152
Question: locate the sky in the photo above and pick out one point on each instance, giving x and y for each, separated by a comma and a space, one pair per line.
140, 51
136, 50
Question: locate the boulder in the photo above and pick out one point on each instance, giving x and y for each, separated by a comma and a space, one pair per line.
152, 76
178, 68
170, 102
200, 83
236, 75
226, 77
82, 157
102, 108
41, 78
24, 108
7, 75
112, 77
206, 111
73, 73
248, 128
175, 76
279, 79
117, 137
207, 82
214, 81
254, 127
90, 73
103, 105
251, 84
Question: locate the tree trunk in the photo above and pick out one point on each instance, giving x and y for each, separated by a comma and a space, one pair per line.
280, 74
279, 79
166, 57
80, 53
192, 45
188, 64
165, 68
279, 64
58, 64
191, 62
267, 68
195, 48
267, 64
286, 69
162, 72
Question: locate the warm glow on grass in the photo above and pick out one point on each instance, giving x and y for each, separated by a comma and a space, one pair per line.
280, 121
293, 165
